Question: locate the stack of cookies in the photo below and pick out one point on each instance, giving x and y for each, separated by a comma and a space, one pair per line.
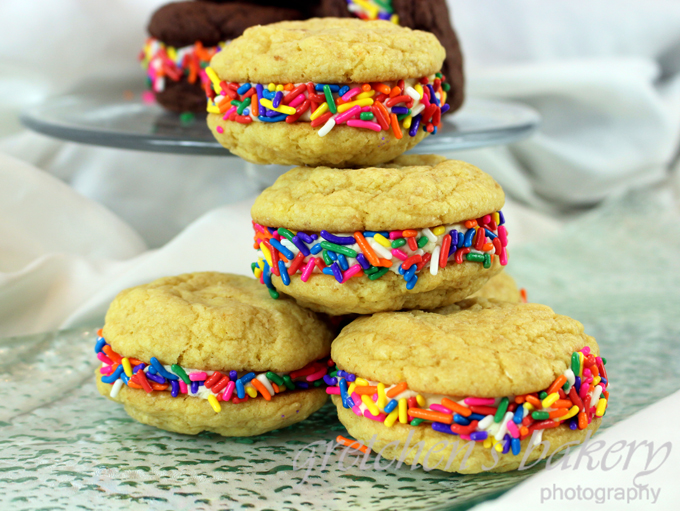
408, 251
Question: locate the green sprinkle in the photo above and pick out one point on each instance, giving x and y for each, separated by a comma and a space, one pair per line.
317, 383
253, 267
333, 374
186, 117
326, 258
399, 242
438, 75
604, 361
566, 386
385, 4
285, 233
416, 422
235, 102
423, 241
502, 408
476, 258
245, 104
338, 249
540, 416
378, 274
371, 270
288, 382
446, 86
181, 373
575, 363
487, 261
329, 99
366, 116
274, 294
274, 377
543, 395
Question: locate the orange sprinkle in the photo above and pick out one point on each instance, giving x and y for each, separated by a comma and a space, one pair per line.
255, 106
134, 362
261, 388
469, 224
562, 403
533, 400
396, 91
561, 380
397, 389
409, 233
159, 386
396, 127
365, 390
276, 387
452, 405
522, 294
523, 431
351, 443
366, 87
381, 87
133, 385
431, 415
487, 247
582, 420
100, 332
558, 413
288, 86
367, 249
115, 357
519, 400
385, 263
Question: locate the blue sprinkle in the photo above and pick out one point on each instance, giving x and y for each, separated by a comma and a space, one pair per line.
276, 102
300, 246
278, 246
263, 111
125, 378
445, 108
351, 377
476, 416
162, 370
411, 283
370, 234
302, 384
343, 393
341, 373
399, 110
433, 96
490, 234
577, 384
314, 237
516, 446
151, 370
603, 380
361, 259
138, 367
319, 87
272, 113
501, 218
304, 237
459, 419
468, 237
114, 375
573, 424
315, 249
267, 276
400, 269
246, 112
327, 271
519, 415
156, 378
240, 389
285, 278
415, 123
194, 387
250, 376
174, 388
410, 273
271, 230
434, 131
329, 380
260, 90
278, 118
233, 375
343, 90
506, 443
243, 88
338, 240
391, 406
101, 342
268, 94
337, 272
342, 260
442, 428
332, 255
478, 435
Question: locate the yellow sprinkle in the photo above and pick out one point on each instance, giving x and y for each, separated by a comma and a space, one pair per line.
382, 240
496, 218
407, 122
597, 380
214, 79
529, 407
214, 403
172, 53
351, 388
319, 111
550, 399
487, 443
391, 418
279, 88
365, 95
498, 446
361, 382
403, 414
257, 273
251, 391
370, 404
438, 231
382, 397
127, 367
395, 19
419, 89
271, 87
443, 95
373, 10
260, 263
581, 357
360, 102
601, 407
571, 413
267, 254
212, 109
284, 109
422, 402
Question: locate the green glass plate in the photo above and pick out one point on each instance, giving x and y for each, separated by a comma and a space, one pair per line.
66, 447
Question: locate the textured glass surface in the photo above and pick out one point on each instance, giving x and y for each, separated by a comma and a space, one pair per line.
99, 114
66, 447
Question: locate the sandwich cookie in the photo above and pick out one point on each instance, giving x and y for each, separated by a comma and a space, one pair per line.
212, 352
326, 91
499, 378
419, 233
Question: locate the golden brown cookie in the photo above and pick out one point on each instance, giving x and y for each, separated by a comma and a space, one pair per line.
501, 287
419, 233
338, 92
177, 351
496, 374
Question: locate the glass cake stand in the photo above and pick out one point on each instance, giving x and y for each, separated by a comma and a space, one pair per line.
113, 114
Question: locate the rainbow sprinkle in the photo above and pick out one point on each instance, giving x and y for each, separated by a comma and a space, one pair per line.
574, 399
162, 61
371, 253
373, 10
215, 386
408, 104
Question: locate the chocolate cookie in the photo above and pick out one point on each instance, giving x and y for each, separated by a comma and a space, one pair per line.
429, 15
186, 35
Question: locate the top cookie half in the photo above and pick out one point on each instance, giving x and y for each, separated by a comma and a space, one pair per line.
329, 50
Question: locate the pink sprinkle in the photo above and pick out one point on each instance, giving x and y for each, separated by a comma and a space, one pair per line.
344, 116
307, 270
486, 219
333, 390
380, 417
352, 271
399, 254
365, 108
364, 124
356, 397
148, 97
299, 99
198, 376
439, 408
503, 236
374, 397
229, 112
317, 375
228, 391
512, 429
586, 373
466, 437
584, 391
396, 235
479, 401
503, 256
425, 100
220, 129
106, 370
258, 227
351, 93
101, 356
183, 387
586, 349
276, 236
356, 410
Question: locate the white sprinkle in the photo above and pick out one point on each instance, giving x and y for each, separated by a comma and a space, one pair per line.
434, 262
485, 423
290, 246
116, 388
413, 93
417, 109
570, 378
330, 124
429, 234
262, 378
536, 437
504, 426
379, 249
